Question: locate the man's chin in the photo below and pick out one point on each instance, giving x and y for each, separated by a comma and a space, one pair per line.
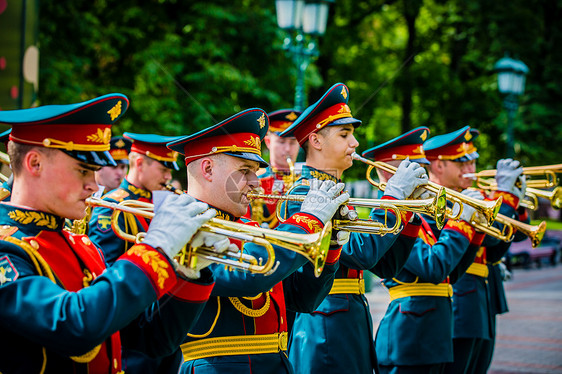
239, 210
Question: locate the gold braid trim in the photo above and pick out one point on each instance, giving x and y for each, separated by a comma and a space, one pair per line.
44, 269
254, 313
212, 326
87, 357
131, 227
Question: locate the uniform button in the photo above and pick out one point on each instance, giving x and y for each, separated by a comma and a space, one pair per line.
115, 363
71, 238
86, 241
34, 244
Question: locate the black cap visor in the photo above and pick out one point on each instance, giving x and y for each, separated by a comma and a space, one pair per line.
102, 158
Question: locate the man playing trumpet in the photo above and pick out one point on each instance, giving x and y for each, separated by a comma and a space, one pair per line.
342, 323
244, 327
478, 294
415, 335
151, 165
63, 310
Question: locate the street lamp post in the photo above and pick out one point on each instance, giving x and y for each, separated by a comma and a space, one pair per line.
304, 21
511, 83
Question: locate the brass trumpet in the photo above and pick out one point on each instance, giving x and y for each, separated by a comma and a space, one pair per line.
435, 206
531, 200
488, 209
292, 176
548, 172
534, 232
505, 234
314, 247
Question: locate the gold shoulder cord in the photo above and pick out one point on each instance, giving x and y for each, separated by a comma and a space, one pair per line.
241, 308
399, 282
130, 227
45, 270
248, 311
212, 326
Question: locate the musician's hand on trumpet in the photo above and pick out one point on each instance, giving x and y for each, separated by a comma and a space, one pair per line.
341, 237
218, 243
509, 172
469, 213
323, 199
408, 177
176, 220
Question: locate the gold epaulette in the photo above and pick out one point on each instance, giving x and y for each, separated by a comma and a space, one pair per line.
4, 193
117, 195
6, 231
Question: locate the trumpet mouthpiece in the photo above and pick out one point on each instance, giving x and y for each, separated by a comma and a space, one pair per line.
355, 156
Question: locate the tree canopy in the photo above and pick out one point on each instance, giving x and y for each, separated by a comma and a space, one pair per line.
186, 65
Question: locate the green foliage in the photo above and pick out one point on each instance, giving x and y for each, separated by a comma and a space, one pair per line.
186, 65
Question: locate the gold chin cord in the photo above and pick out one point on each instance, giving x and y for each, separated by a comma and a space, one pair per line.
487, 209
314, 247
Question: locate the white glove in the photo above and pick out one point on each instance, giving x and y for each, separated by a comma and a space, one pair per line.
348, 214
342, 237
467, 210
508, 171
175, 222
505, 274
324, 199
422, 194
408, 177
218, 243
522, 189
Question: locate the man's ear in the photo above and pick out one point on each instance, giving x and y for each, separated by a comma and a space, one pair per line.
207, 168
139, 162
267, 140
315, 141
33, 162
436, 167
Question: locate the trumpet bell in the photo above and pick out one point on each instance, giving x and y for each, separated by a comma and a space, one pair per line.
557, 198
537, 236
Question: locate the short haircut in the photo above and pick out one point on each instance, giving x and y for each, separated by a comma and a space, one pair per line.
193, 166
17, 153
324, 132
135, 155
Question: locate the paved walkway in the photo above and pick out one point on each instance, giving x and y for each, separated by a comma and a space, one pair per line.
529, 336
